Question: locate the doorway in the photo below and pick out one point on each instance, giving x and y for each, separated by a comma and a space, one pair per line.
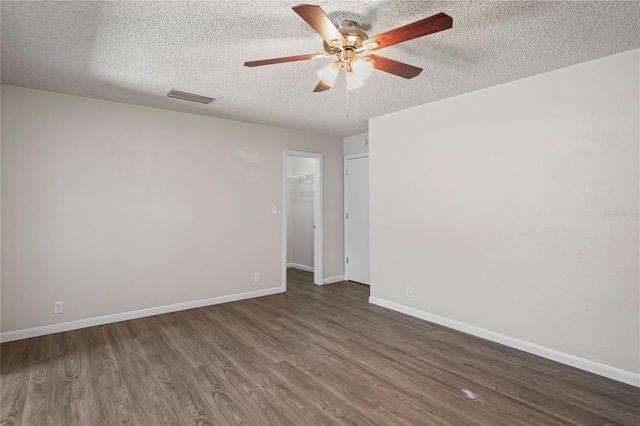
356, 218
302, 214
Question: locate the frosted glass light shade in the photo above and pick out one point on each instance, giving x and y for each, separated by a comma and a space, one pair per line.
329, 73
361, 67
353, 80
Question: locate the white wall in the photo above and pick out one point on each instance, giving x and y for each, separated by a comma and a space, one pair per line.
300, 212
493, 207
297, 166
354, 144
114, 207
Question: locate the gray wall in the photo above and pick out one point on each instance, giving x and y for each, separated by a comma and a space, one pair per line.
496, 208
114, 207
354, 144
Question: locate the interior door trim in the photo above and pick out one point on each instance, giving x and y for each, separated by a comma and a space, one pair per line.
318, 200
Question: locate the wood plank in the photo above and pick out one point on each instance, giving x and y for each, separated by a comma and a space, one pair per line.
43, 404
148, 401
14, 357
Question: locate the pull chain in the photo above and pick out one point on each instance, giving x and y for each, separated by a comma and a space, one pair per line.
357, 105
347, 93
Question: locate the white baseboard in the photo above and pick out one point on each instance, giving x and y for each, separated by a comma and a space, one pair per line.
332, 280
299, 266
608, 371
26, 333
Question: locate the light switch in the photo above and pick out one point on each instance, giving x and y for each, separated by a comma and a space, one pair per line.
274, 209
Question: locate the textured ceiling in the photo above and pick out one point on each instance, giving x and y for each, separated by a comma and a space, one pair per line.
135, 52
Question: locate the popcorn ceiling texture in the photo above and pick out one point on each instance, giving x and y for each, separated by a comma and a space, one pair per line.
135, 52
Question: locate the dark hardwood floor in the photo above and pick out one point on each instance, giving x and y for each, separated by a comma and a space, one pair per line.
315, 355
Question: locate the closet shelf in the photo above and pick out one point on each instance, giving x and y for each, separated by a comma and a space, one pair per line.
301, 178
296, 190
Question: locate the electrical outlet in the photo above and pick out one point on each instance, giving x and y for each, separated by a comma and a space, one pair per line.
256, 277
408, 291
57, 307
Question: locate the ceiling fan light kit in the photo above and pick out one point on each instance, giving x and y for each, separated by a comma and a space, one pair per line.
362, 67
353, 82
329, 73
346, 41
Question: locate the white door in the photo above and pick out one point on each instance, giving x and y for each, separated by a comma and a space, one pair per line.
357, 218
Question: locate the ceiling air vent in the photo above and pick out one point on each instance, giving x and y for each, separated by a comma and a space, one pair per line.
186, 96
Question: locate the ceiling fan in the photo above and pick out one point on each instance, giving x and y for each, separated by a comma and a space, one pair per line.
346, 41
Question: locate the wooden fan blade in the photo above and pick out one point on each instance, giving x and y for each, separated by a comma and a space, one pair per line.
394, 67
321, 87
320, 22
426, 26
285, 59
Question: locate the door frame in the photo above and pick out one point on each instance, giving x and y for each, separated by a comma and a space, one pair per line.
318, 259
344, 215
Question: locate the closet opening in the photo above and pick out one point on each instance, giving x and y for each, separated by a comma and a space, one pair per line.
302, 217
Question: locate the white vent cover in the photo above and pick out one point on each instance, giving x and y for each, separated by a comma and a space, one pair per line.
186, 96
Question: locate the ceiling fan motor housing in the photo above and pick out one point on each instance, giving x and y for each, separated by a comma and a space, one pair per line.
352, 33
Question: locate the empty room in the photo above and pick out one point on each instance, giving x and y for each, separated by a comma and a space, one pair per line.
356, 212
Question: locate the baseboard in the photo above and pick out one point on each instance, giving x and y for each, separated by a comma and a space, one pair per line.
299, 266
332, 280
598, 368
26, 333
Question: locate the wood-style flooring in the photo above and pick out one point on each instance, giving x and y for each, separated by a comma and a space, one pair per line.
313, 355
